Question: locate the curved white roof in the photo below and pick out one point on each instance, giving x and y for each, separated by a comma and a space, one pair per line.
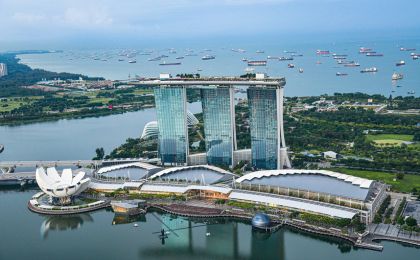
65, 185
176, 169
362, 182
296, 203
151, 129
182, 189
141, 165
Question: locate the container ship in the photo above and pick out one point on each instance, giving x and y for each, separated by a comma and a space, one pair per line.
257, 63
285, 58
367, 70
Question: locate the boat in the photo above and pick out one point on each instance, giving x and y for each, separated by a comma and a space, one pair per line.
397, 76
414, 54
290, 66
164, 63
135, 225
367, 70
370, 54
1, 148
132, 61
339, 55
244, 59
353, 64
400, 63
208, 234
179, 58
257, 63
365, 50
300, 70
296, 55
415, 57
129, 207
120, 59
322, 52
341, 74
191, 54
407, 49
285, 58
259, 51
272, 58
154, 59
411, 92
208, 57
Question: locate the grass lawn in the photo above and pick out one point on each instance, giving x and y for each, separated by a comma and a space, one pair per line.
388, 139
409, 181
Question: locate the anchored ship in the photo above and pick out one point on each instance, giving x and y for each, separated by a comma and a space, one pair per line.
373, 69
257, 63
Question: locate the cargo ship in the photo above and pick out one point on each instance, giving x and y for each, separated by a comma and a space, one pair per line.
257, 63
367, 70
400, 63
285, 58
169, 63
341, 74
208, 57
397, 76
371, 54
322, 52
365, 50
355, 64
407, 49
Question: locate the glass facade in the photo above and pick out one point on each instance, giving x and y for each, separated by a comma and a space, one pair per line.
219, 133
262, 104
172, 124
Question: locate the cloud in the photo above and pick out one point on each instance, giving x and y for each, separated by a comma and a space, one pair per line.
28, 18
86, 17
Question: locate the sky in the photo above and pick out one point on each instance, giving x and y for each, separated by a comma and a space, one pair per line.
55, 23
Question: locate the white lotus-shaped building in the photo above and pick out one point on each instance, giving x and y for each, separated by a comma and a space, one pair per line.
61, 187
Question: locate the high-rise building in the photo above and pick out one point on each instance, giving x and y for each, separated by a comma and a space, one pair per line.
3, 69
265, 99
219, 124
172, 124
268, 148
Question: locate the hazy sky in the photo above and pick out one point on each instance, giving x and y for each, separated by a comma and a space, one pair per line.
35, 22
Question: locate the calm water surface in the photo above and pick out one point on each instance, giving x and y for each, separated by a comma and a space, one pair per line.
26, 235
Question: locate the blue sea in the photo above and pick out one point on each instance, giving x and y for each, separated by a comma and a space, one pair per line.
319, 76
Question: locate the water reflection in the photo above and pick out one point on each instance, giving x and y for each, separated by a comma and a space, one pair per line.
213, 239
126, 219
63, 223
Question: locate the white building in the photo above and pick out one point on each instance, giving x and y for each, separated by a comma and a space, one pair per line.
3, 69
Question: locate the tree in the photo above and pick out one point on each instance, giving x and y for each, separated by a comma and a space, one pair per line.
400, 221
100, 153
400, 176
411, 222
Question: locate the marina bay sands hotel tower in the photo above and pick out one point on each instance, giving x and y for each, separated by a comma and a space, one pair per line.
265, 102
